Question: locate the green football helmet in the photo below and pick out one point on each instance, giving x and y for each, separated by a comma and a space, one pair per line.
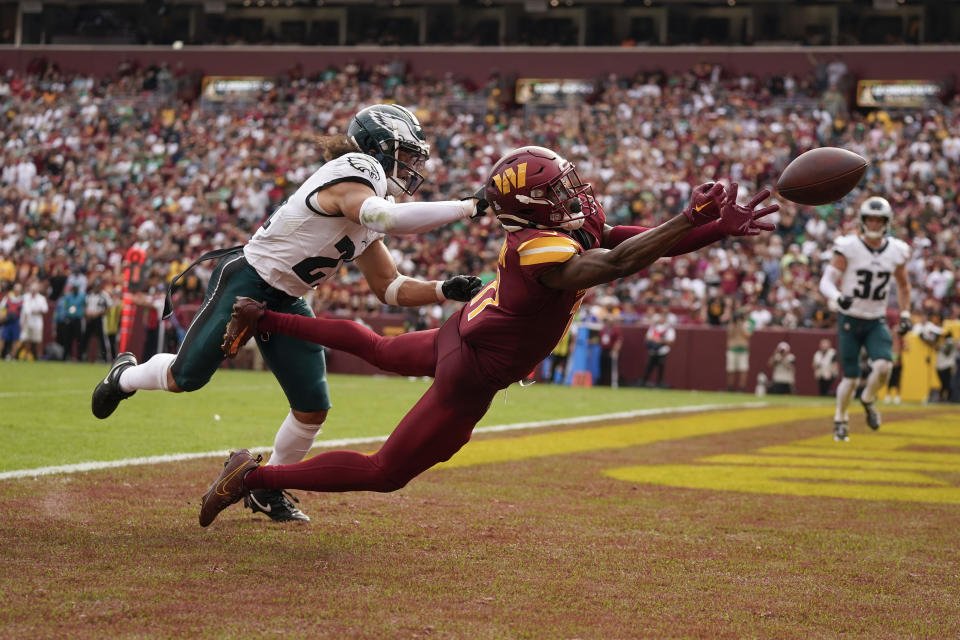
393, 135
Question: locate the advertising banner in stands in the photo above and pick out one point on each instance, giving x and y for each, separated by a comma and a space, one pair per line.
897, 93
552, 91
234, 88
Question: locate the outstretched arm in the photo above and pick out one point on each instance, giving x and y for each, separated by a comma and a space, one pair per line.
604, 265
390, 287
743, 221
360, 204
697, 238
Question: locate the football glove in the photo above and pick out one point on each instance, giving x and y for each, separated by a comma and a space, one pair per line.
845, 302
461, 288
704, 205
905, 324
481, 205
736, 220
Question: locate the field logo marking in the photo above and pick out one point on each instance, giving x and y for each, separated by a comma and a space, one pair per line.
900, 463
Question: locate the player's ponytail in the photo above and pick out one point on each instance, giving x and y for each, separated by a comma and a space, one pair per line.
332, 147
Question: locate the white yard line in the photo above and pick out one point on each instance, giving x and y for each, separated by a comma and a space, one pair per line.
346, 442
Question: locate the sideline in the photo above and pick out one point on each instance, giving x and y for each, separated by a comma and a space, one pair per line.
346, 442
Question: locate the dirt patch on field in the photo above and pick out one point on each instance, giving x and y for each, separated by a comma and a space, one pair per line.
538, 548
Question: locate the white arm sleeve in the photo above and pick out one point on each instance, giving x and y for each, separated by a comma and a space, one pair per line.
828, 283
384, 216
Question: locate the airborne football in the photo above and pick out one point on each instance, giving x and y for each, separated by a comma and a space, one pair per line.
821, 176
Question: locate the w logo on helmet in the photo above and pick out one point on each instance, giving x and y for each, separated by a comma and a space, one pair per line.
509, 178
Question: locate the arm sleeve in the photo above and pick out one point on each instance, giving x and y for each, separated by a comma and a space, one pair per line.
697, 238
383, 216
828, 283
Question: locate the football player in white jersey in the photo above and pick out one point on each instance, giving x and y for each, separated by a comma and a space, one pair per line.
857, 281
338, 215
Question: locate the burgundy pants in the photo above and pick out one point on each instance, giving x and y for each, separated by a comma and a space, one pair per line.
435, 428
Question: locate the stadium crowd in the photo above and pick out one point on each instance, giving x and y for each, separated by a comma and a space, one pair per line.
93, 166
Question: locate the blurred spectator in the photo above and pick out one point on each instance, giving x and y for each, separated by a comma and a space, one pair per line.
946, 364
558, 357
611, 339
893, 384
69, 319
783, 369
35, 307
825, 367
738, 351
660, 337
97, 304
11, 307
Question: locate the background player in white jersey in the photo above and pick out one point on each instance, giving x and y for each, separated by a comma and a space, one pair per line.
858, 281
338, 215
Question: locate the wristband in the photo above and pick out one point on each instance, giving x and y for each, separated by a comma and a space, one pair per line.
440, 296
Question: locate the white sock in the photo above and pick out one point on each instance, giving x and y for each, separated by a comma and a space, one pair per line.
879, 374
152, 374
845, 391
293, 440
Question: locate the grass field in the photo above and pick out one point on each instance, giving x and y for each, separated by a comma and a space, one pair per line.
734, 523
52, 401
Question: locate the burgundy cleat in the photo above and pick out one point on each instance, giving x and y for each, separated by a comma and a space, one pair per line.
228, 488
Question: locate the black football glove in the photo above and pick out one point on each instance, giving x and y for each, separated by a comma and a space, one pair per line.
482, 204
905, 324
461, 288
845, 302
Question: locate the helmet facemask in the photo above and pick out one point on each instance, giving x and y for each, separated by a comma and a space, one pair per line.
556, 204
403, 165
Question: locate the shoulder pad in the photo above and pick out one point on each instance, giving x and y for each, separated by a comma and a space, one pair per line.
843, 244
547, 246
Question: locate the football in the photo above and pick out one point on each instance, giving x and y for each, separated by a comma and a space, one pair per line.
821, 176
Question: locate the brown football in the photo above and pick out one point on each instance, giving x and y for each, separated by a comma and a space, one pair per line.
821, 176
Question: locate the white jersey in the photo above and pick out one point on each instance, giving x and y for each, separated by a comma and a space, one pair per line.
300, 245
868, 273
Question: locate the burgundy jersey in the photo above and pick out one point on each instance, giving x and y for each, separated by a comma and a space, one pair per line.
515, 322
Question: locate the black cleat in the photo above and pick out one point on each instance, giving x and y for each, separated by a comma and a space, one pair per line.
108, 394
275, 504
840, 431
873, 416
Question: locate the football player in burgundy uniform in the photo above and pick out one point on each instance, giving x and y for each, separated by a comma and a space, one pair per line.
338, 215
557, 246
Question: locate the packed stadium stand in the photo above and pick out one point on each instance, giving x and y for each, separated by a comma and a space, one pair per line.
156, 153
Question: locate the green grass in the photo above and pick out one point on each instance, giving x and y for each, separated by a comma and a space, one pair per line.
45, 414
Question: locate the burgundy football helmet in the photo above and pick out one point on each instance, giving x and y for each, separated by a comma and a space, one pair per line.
533, 187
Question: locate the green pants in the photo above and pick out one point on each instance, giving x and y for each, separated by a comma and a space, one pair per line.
299, 366
856, 333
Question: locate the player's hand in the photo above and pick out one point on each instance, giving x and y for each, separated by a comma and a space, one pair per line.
905, 324
481, 203
704, 204
461, 288
736, 220
845, 302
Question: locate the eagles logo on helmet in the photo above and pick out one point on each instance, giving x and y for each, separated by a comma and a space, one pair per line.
533, 187
393, 136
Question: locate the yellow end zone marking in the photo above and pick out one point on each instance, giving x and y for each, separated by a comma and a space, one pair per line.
625, 435
837, 463
873, 466
858, 484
